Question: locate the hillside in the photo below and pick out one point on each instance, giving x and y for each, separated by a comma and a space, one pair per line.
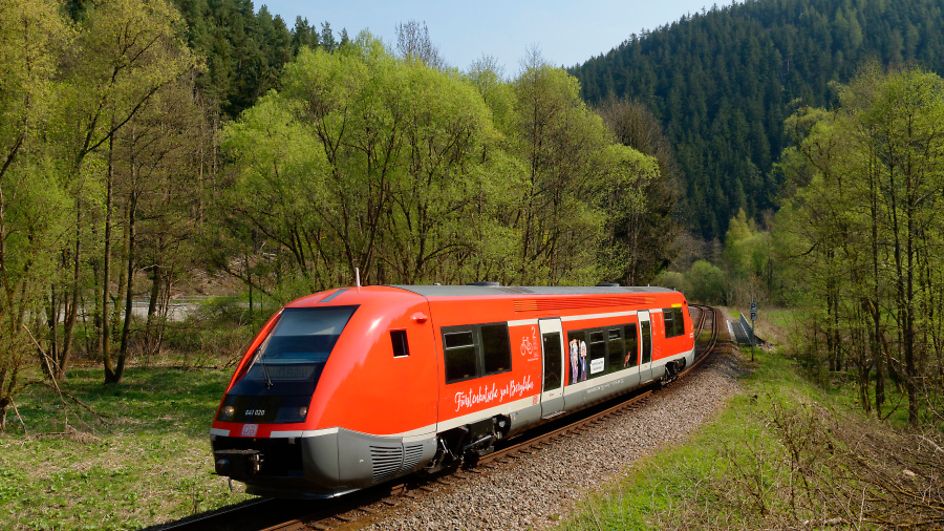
722, 83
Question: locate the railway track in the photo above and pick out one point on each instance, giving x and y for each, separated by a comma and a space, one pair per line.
364, 507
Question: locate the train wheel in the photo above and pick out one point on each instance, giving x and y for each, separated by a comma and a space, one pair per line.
671, 373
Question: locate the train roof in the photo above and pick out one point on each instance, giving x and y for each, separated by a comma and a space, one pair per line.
352, 295
469, 291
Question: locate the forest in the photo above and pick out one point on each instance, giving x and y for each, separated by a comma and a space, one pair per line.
722, 83
806, 137
146, 145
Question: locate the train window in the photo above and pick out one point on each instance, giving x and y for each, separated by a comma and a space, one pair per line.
460, 355
496, 348
597, 352
646, 341
577, 356
401, 348
674, 325
615, 350
594, 352
305, 335
632, 346
476, 350
299, 345
552, 360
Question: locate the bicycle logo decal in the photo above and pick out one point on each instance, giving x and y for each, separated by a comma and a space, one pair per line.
529, 346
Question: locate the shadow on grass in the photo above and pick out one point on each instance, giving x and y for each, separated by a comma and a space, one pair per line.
148, 400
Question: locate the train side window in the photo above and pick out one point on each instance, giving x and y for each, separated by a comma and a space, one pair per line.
460, 356
401, 348
668, 322
631, 346
614, 349
674, 325
577, 356
597, 352
496, 348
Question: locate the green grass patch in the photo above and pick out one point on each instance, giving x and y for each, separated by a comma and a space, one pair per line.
660, 490
142, 458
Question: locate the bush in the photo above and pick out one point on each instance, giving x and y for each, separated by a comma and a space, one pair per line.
708, 283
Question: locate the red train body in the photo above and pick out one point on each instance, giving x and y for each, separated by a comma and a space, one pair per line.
351, 387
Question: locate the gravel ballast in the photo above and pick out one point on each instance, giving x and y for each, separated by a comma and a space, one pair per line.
536, 491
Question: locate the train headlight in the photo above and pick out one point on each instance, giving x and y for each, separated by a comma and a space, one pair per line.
227, 412
303, 412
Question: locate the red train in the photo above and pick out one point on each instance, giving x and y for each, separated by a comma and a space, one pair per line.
351, 387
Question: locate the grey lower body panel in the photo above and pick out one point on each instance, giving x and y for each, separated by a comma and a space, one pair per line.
579, 399
330, 464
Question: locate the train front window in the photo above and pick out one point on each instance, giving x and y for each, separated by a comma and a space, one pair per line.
300, 343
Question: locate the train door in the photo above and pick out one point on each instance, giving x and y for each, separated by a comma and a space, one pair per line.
645, 347
552, 349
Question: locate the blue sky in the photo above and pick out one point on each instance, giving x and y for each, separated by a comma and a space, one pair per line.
566, 32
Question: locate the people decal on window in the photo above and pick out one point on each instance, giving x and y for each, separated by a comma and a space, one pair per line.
574, 370
584, 367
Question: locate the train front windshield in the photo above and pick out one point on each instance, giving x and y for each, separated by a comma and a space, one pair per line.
300, 343
287, 365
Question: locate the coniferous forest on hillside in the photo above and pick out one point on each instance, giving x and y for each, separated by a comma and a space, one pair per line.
722, 83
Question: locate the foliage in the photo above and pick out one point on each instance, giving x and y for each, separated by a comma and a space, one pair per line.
707, 282
32, 199
781, 454
747, 260
139, 460
723, 81
244, 49
650, 227
860, 233
421, 174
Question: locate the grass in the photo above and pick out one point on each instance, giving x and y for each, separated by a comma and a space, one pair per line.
656, 487
741, 469
141, 459
784, 326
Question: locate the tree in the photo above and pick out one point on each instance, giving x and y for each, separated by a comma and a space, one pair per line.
722, 82
864, 214
424, 175
707, 283
32, 199
303, 34
651, 240
413, 42
121, 61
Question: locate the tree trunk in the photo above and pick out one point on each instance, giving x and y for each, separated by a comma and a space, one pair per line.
878, 353
73, 304
104, 343
123, 350
151, 311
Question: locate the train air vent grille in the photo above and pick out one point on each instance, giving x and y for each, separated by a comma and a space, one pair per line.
575, 303
515, 290
412, 455
385, 461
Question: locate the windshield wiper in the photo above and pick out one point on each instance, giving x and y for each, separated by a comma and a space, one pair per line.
265, 369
